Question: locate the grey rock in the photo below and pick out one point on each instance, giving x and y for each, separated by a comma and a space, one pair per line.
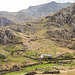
31, 73
5, 22
5, 60
6, 35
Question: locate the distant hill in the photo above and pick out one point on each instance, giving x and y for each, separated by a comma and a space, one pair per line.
48, 8
34, 12
3, 12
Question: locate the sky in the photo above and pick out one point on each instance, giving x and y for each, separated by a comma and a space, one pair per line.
17, 5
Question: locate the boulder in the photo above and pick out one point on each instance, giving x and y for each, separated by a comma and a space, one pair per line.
5, 60
31, 73
7, 36
5, 22
51, 72
14, 68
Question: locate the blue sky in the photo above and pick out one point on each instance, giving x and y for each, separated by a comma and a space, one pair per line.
16, 5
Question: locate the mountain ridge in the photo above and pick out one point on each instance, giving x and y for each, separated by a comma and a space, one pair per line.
52, 7
35, 12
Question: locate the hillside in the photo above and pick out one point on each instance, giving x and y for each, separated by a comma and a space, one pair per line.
65, 24
53, 34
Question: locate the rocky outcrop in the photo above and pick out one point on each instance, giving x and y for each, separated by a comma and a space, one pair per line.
5, 60
31, 73
19, 28
65, 16
53, 72
5, 21
6, 35
59, 34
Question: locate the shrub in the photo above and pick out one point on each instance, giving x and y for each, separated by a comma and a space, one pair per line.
12, 52
2, 56
68, 55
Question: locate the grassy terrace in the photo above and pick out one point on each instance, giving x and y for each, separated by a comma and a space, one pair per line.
31, 68
27, 69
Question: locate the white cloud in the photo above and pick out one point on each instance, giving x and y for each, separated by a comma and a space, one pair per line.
16, 5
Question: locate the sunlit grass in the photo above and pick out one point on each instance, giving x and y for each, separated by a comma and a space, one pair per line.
31, 68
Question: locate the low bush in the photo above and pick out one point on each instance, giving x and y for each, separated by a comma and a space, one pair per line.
68, 55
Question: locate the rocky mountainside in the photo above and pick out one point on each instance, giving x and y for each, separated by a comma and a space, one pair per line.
3, 12
5, 22
8, 36
64, 17
48, 8
59, 27
34, 12
64, 23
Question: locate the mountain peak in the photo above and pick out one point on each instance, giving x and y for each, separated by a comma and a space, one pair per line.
53, 2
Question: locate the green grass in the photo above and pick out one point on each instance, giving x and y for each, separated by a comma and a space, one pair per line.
30, 69
12, 47
32, 53
38, 66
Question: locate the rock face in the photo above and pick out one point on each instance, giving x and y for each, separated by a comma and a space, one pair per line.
5, 60
31, 73
5, 21
53, 72
61, 25
66, 15
6, 35
59, 34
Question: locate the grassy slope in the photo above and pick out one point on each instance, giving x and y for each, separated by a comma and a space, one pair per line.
41, 44
35, 48
42, 68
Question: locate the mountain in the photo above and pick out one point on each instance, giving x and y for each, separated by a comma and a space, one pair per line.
3, 12
64, 25
66, 15
59, 27
46, 9
34, 12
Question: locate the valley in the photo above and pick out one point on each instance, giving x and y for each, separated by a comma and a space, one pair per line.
23, 42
